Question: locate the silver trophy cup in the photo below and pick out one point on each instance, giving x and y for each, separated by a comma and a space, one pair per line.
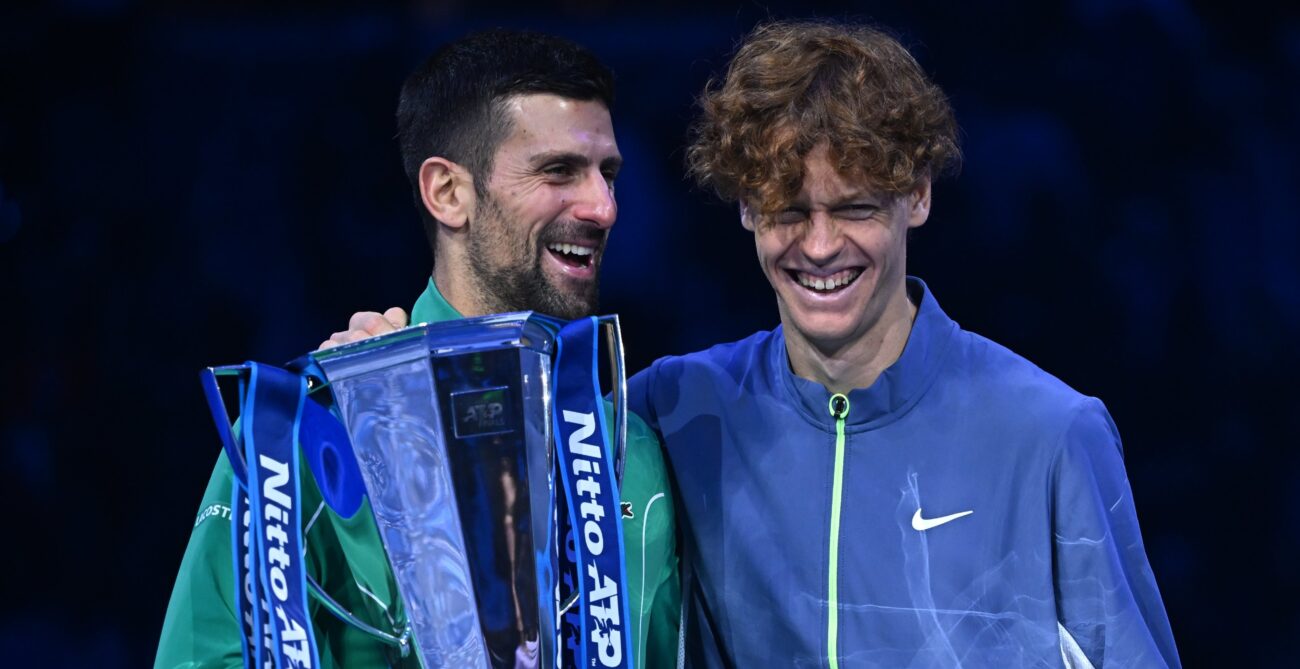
451, 427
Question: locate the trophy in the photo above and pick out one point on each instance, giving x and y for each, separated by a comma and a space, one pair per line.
481, 443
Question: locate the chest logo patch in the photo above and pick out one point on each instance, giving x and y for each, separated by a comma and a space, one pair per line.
922, 524
627, 509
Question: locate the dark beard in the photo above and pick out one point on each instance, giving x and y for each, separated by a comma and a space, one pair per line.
520, 284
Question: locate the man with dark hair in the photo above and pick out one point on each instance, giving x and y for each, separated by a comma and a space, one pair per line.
461, 108
507, 141
868, 484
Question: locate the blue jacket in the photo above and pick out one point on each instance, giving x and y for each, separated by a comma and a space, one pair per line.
1047, 570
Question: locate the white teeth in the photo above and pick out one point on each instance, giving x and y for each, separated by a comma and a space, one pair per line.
571, 249
832, 282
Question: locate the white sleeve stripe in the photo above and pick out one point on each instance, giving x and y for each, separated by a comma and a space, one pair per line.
640, 628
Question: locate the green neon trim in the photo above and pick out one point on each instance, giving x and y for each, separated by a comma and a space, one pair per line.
839, 413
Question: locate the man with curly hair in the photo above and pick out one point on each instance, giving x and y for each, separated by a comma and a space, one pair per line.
868, 484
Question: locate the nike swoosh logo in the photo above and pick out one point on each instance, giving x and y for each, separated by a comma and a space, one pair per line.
922, 524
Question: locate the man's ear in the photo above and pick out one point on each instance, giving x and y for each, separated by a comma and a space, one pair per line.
919, 204
447, 190
746, 221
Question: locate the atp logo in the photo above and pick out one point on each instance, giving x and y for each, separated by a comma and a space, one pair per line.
485, 415
481, 412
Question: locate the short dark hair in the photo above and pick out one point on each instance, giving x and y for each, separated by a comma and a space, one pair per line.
453, 106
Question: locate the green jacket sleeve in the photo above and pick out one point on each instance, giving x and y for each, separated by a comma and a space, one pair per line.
663, 641
201, 628
650, 543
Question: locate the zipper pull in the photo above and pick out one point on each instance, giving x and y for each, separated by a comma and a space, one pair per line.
839, 407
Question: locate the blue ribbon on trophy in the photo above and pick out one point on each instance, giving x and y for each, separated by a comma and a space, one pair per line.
280, 422
591, 491
267, 544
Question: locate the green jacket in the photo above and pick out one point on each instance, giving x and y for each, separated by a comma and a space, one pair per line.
347, 558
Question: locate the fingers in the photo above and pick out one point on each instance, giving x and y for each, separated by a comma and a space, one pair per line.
346, 337
374, 323
365, 320
366, 324
397, 316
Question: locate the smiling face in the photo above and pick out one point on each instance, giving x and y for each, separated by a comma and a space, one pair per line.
536, 241
836, 256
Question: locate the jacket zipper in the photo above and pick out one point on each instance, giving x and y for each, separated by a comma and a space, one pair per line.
839, 407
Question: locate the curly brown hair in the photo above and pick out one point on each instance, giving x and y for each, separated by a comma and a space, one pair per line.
791, 86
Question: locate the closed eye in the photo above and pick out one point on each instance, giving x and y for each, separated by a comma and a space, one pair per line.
791, 216
856, 212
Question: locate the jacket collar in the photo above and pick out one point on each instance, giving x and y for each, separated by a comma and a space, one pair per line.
896, 390
432, 307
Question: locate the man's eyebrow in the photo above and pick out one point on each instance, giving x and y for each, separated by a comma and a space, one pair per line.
559, 157
575, 159
859, 200
863, 199
860, 194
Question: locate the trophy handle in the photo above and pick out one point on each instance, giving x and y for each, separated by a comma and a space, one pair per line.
618, 377
210, 379
217, 407
568, 603
402, 640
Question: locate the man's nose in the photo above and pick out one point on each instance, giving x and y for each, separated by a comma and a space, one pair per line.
822, 240
596, 202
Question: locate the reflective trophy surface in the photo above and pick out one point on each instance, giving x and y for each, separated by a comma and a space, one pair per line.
451, 426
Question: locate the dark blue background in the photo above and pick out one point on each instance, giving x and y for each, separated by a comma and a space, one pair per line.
218, 181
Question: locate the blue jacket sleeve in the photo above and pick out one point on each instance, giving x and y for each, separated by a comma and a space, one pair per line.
650, 396
640, 387
1108, 604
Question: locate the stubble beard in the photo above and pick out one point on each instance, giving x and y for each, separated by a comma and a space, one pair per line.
519, 282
